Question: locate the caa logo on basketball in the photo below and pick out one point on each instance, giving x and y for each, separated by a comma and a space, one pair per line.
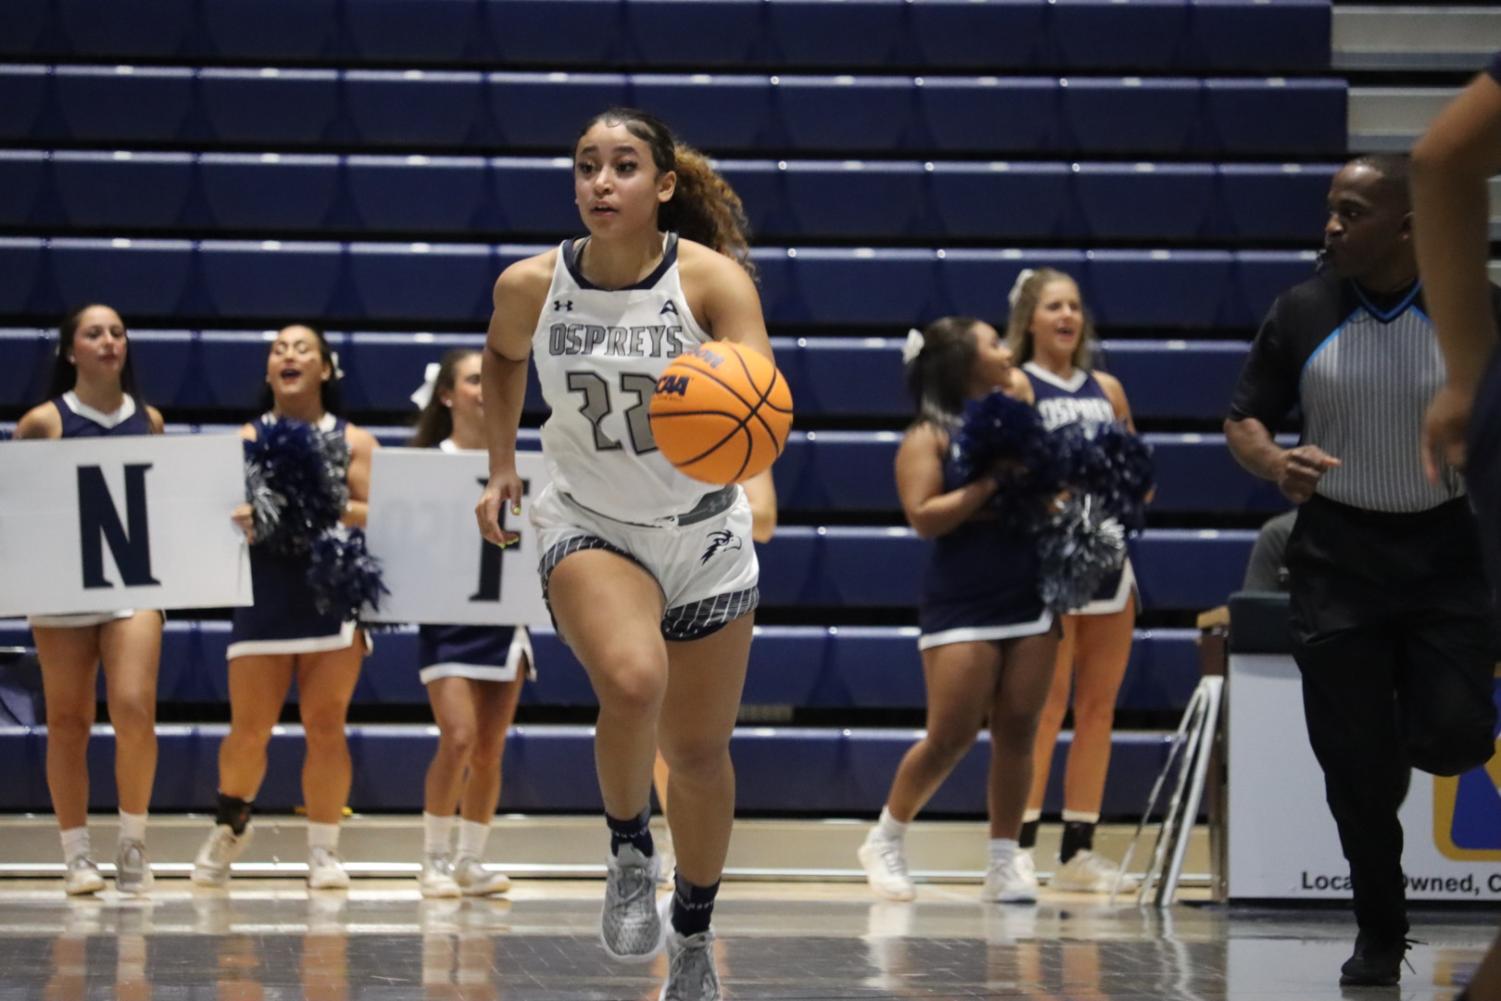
677, 385
1467, 812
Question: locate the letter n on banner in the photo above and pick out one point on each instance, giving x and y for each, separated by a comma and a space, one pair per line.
99, 525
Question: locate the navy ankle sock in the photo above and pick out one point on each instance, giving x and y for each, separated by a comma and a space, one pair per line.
1078, 836
635, 831
235, 812
1028, 836
692, 906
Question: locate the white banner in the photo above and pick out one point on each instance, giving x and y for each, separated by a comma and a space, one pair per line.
103, 524
438, 569
1282, 840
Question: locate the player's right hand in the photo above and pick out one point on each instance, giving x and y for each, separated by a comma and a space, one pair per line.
504, 489
1301, 469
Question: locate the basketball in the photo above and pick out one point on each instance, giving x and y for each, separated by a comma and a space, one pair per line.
721, 413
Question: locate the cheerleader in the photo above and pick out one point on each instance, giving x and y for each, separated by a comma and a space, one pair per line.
1052, 338
473, 676
283, 636
93, 395
987, 640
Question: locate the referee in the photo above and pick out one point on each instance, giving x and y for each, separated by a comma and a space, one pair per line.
1389, 602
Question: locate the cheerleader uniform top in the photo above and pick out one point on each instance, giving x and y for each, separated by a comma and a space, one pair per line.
284, 618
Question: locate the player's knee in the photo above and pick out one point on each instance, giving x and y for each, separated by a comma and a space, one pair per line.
458, 742
632, 687
68, 725
1014, 733
950, 740
697, 758
1094, 710
133, 717
323, 727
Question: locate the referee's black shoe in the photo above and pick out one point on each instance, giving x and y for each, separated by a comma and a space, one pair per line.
1377, 961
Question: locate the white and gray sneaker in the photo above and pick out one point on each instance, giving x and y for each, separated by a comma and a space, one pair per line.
132, 868
218, 853
1087, 872
690, 967
436, 878
1011, 882
629, 927
474, 880
82, 876
325, 870
885, 863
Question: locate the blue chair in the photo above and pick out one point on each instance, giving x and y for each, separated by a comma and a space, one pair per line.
418, 194
958, 34
1145, 201
381, 370
157, 29
270, 279
1196, 472
23, 24
1109, 35
1273, 201
22, 113
445, 31
1290, 35
534, 195
694, 35
121, 104
417, 107
20, 269
842, 376
860, 286
717, 112
232, 369
545, 112
1160, 288
1287, 117
1176, 379
27, 364
167, 367
270, 192
855, 198
763, 194
989, 114
547, 33
127, 190
1190, 569
23, 179
1133, 116
272, 29
449, 282
847, 113
1000, 200
977, 281
1261, 276
869, 34
140, 278
300, 107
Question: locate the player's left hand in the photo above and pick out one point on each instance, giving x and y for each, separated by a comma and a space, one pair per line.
1444, 427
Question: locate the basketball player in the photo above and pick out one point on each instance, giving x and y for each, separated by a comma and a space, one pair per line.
987, 642
93, 394
473, 676
762, 495
651, 576
1451, 166
1389, 601
282, 636
1053, 340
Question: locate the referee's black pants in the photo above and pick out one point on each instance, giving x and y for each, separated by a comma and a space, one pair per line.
1397, 650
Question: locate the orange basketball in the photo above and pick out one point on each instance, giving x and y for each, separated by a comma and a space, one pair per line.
721, 413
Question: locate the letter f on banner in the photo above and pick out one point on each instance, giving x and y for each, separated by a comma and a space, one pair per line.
99, 524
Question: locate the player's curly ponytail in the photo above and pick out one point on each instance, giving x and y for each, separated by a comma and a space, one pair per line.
704, 207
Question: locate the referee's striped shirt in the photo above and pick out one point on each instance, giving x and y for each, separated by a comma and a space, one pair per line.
1362, 369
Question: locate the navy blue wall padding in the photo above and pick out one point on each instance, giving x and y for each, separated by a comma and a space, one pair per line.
1205, 35
540, 112
551, 769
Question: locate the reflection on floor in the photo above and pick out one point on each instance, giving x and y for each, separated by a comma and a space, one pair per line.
271, 939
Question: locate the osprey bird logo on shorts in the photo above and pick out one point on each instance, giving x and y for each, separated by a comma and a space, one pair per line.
723, 541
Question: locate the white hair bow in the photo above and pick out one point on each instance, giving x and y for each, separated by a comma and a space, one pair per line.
1016, 286
333, 358
912, 346
423, 394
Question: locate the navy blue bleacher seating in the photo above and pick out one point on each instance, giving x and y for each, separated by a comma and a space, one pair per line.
725, 114
271, 192
839, 287
1204, 35
124, 190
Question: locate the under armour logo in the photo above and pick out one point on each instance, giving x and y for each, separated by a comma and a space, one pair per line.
562, 304
723, 541
668, 308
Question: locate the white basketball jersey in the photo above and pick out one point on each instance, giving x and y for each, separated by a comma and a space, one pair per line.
599, 354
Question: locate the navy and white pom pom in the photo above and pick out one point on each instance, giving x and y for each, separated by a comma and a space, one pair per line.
1080, 549
344, 577
295, 481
